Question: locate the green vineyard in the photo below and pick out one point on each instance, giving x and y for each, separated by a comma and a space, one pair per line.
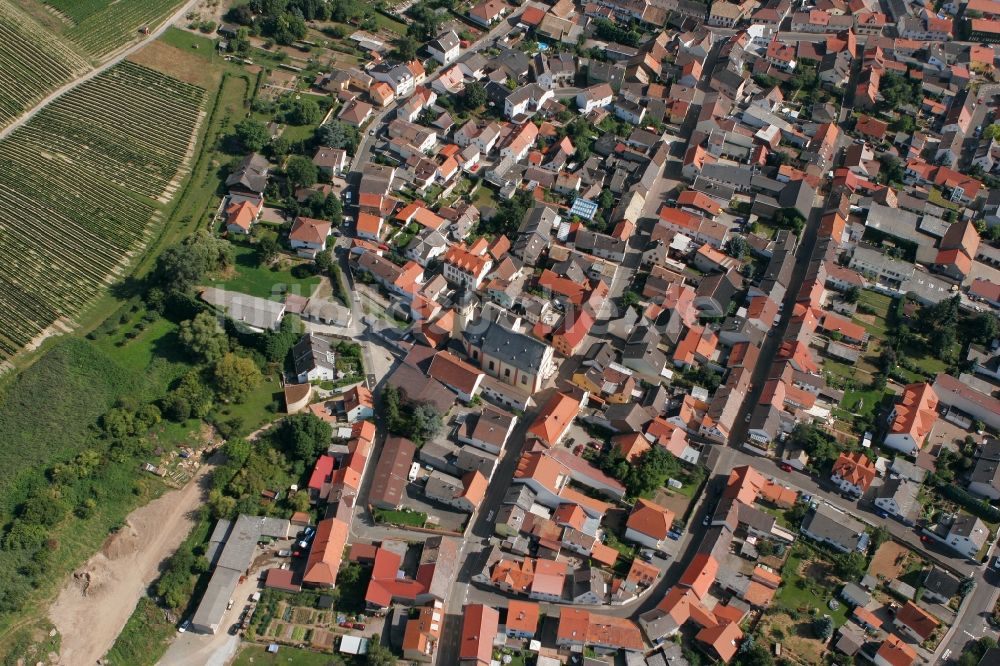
78, 190
33, 63
101, 26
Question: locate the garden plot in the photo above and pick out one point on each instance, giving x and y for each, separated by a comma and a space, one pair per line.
77, 190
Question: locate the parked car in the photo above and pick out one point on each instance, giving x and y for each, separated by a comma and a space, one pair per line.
646, 554
347, 625
785, 467
806, 499
184, 626
360, 626
674, 534
284, 553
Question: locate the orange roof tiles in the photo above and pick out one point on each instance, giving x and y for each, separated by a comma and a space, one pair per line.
758, 594
916, 618
606, 555
650, 519
479, 627
632, 445
893, 650
867, 617
837, 324
700, 574
309, 230
423, 631
522, 616
326, 553
723, 639
916, 414
555, 418
855, 468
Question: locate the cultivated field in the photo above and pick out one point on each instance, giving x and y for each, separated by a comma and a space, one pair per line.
78, 190
99, 27
33, 62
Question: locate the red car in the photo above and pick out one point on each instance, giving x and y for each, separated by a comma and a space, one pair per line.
347, 625
785, 467
359, 626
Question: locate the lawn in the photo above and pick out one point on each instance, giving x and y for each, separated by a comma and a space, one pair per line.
259, 408
257, 655
387, 23
484, 196
403, 517
880, 303
266, 282
808, 582
862, 402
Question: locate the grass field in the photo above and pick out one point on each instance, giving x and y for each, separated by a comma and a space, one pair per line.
257, 655
144, 638
411, 518
251, 278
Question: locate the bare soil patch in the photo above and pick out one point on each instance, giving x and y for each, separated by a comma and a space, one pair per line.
889, 560
180, 64
99, 597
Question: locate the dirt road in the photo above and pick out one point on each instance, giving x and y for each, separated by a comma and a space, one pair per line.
99, 597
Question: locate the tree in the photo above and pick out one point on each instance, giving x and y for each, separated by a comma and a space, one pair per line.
303, 111
240, 44
406, 48
975, 650
235, 377
852, 295
473, 96
252, 134
425, 422
180, 267
301, 172
966, 586
737, 247
850, 566
753, 653
879, 536
823, 627
204, 337
324, 260
267, 249
378, 654
338, 135
304, 436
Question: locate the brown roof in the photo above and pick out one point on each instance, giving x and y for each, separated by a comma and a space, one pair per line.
392, 470
309, 230
454, 372
479, 628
